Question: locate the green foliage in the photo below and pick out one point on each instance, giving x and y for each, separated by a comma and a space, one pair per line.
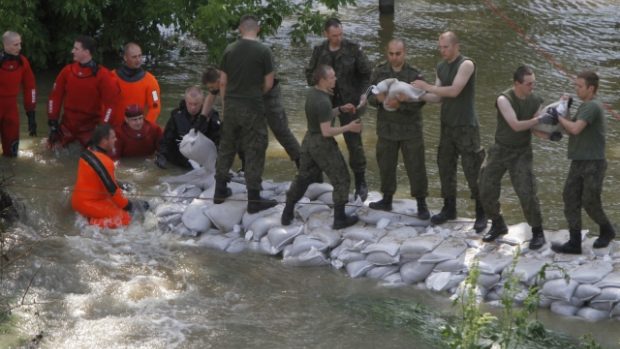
217, 20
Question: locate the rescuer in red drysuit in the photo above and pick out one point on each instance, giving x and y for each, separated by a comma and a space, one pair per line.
136, 136
86, 92
15, 72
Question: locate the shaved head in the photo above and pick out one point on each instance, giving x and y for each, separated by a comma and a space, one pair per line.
450, 37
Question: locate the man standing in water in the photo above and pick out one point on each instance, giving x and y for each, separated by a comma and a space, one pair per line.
584, 182
460, 134
353, 73
516, 115
400, 129
15, 72
138, 87
319, 150
87, 93
246, 74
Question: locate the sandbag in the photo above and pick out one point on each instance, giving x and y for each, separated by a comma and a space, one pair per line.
527, 268
261, 225
320, 220
591, 272
317, 189
443, 281
304, 243
382, 258
389, 248
309, 258
586, 292
414, 272
563, 308
400, 234
282, 236
559, 289
592, 314
227, 214
393, 88
494, 262
197, 177
169, 208
450, 248
607, 295
380, 272
306, 210
420, 245
218, 242
360, 233
488, 281
265, 247
330, 237
237, 245
327, 198
391, 280
358, 268
196, 146
610, 280
194, 218
248, 218
517, 234
451, 265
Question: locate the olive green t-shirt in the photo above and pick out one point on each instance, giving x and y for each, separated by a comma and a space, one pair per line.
525, 109
459, 110
318, 109
246, 62
589, 144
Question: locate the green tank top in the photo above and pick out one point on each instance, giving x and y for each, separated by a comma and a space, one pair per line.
525, 109
459, 110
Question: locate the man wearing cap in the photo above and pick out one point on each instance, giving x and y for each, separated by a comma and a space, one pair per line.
137, 136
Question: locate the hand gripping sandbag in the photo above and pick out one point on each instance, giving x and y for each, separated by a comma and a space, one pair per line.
393, 88
555, 110
196, 146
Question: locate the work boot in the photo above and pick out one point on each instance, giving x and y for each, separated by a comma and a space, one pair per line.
448, 212
341, 220
607, 234
538, 238
361, 189
481, 219
572, 246
288, 214
256, 203
498, 227
423, 209
384, 204
221, 192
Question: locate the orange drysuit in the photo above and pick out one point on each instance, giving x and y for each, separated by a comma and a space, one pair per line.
137, 87
96, 194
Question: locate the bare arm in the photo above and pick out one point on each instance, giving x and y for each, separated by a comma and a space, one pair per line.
208, 104
466, 69
573, 127
268, 82
511, 117
223, 84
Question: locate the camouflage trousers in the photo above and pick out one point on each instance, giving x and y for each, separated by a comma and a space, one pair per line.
518, 163
243, 128
320, 154
583, 188
278, 122
357, 157
413, 157
458, 141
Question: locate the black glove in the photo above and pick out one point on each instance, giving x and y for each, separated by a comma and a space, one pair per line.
550, 117
128, 207
555, 136
32, 123
54, 135
136, 205
160, 161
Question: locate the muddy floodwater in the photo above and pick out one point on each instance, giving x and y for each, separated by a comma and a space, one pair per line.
145, 289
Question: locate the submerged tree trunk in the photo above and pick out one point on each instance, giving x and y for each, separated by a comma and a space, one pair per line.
386, 7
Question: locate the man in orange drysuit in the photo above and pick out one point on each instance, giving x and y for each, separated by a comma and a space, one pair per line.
87, 93
97, 195
15, 72
136, 136
137, 86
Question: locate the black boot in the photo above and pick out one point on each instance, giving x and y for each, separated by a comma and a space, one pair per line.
341, 220
423, 209
498, 227
538, 238
607, 234
384, 204
448, 212
256, 203
572, 246
481, 219
221, 192
361, 189
288, 214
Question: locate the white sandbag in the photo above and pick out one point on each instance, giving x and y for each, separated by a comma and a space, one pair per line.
218, 242
389, 248
371, 217
494, 262
249, 218
282, 236
185, 193
237, 245
198, 177
304, 243
610, 280
347, 256
418, 246
414, 272
194, 218
330, 237
452, 265
306, 210
488, 281
559, 289
169, 208
563, 308
358, 268
380, 272
261, 225
450, 248
383, 223
527, 268
227, 214
607, 295
602, 306
327, 198
616, 310
586, 292
561, 108
393, 88
592, 314
309, 258
196, 146
443, 281
591, 272
391, 280
317, 189
265, 247
182, 230
348, 245
361, 233
320, 220
400, 234
517, 234
382, 258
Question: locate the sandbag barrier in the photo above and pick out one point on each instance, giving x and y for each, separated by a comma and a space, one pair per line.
396, 248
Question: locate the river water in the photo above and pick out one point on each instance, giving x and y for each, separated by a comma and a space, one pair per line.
144, 289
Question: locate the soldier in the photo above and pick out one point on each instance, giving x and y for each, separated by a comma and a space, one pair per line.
584, 182
353, 73
246, 74
15, 73
319, 150
460, 134
400, 129
517, 110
